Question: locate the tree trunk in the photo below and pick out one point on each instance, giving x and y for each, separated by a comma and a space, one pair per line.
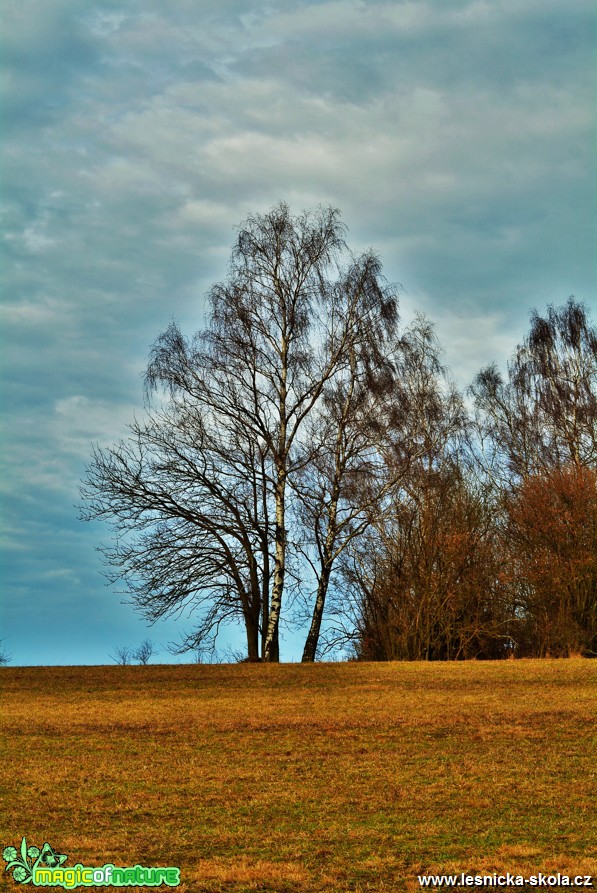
271, 651
312, 641
252, 639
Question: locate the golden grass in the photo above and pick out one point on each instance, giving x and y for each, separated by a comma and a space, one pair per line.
319, 778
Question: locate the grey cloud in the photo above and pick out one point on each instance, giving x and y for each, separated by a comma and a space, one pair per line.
382, 46
46, 55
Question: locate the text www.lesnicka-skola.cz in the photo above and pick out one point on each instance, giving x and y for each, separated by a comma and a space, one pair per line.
505, 880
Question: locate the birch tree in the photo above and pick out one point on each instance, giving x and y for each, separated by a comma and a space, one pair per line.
263, 368
198, 495
543, 415
341, 485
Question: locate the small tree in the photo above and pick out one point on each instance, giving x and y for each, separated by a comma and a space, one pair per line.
144, 652
5, 657
122, 655
553, 533
428, 581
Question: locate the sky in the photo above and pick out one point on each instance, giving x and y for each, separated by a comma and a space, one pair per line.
457, 137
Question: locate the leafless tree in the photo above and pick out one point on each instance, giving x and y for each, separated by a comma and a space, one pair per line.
404, 579
144, 652
537, 431
181, 496
431, 585
5, 657
338, 459
544, 416
198, 494
552, 540
122, 655
380, 420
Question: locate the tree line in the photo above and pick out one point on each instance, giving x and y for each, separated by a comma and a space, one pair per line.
306, 459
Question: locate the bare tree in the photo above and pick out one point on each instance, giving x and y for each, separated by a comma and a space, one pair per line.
414, 581
5, 656
544, 415
552, 535
277, 323
369, 435
122, 655
431, 585
180, 494
538, 435
144, 652
198, 494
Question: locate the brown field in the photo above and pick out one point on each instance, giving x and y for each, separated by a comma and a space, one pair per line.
328, 777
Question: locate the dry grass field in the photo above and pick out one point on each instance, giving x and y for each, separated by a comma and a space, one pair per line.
329, 777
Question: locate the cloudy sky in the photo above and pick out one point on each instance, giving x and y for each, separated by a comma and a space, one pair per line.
456, 137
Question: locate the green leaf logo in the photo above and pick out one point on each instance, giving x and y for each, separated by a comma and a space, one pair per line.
24, 861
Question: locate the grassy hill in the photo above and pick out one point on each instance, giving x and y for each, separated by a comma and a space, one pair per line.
317, 778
